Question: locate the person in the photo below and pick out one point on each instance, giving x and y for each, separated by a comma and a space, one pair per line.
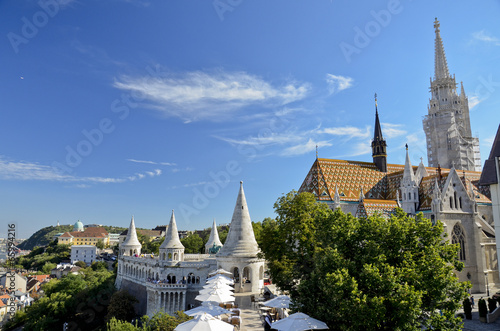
267, 322
472, 301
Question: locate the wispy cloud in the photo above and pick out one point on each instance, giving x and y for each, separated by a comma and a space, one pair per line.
473, 101
22, 170
271, 139
304, 148
152, 162
215, 95
347, 132
485, 37
337, 83
392, 130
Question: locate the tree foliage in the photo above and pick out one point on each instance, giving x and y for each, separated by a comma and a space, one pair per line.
363, 273
121, 306
193, 244
40, 256
80, 300
159, 321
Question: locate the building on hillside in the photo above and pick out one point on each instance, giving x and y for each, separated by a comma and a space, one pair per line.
34, 282
491, 177
85, 253
19, 282
63, 269
170, 281
447, 124
84, 236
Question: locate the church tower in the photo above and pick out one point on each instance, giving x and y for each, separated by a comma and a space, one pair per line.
447, 125
379, 146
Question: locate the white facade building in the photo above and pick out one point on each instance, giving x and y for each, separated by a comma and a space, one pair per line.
85, 253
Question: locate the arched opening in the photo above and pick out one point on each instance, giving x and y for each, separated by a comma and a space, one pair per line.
455, 198
247, 275
261, 272
236, 275
169, 256
458, 237
175, 256
451, 203
191, 279
460, 202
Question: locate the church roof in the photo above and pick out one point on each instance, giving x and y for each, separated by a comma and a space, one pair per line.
489, 175
172, 236
240, 241
368, 207
350, 176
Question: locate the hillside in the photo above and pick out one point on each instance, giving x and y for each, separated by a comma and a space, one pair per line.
44, 236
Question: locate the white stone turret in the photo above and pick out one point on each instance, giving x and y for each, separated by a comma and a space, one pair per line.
437, 203
213, 240
239, 253
240, 239
409, 188
131, 246
172, 250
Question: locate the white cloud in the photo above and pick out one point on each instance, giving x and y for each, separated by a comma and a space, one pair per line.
392, 130
484, 36
473, 101
199, 95
152, 162
360, 148
304, 148
337, 83
22, 170
348, 132
272, 139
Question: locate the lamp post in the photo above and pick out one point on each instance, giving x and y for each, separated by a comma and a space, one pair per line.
487, 284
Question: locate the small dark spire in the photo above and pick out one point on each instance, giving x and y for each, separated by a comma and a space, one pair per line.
379, 145
406, 146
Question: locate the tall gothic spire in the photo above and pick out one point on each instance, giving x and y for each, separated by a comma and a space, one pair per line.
172, 236
440, 64
408, 174
379, 145
240, 239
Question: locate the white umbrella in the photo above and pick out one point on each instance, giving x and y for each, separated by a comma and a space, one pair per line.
215, 295
209, 309
204, 322
220, 278
218, 285
220, 271
297, 322
222, 290
282, 301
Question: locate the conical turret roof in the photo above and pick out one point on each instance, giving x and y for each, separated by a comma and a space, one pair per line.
214, 237
172, 237
131, 239
240, 240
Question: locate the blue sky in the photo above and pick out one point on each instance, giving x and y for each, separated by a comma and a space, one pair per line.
126, 107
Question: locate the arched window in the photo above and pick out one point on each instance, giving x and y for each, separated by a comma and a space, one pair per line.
460, 202
455, 199
458, 237
451, 203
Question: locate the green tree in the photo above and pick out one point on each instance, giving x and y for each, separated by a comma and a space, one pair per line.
100, 244
193, 244
121, 306
80, 264
363, 273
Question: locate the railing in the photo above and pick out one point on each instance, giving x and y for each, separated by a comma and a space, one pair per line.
195, 257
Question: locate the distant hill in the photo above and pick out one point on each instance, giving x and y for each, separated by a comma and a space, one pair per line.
44, 236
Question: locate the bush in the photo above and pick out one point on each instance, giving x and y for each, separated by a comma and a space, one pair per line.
468, 309
483, 310
492, 304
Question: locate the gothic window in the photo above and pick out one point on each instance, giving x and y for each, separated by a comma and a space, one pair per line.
458, 237
460, 202
451, 203
455, 198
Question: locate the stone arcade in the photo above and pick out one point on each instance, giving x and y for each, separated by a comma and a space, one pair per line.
170, 281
